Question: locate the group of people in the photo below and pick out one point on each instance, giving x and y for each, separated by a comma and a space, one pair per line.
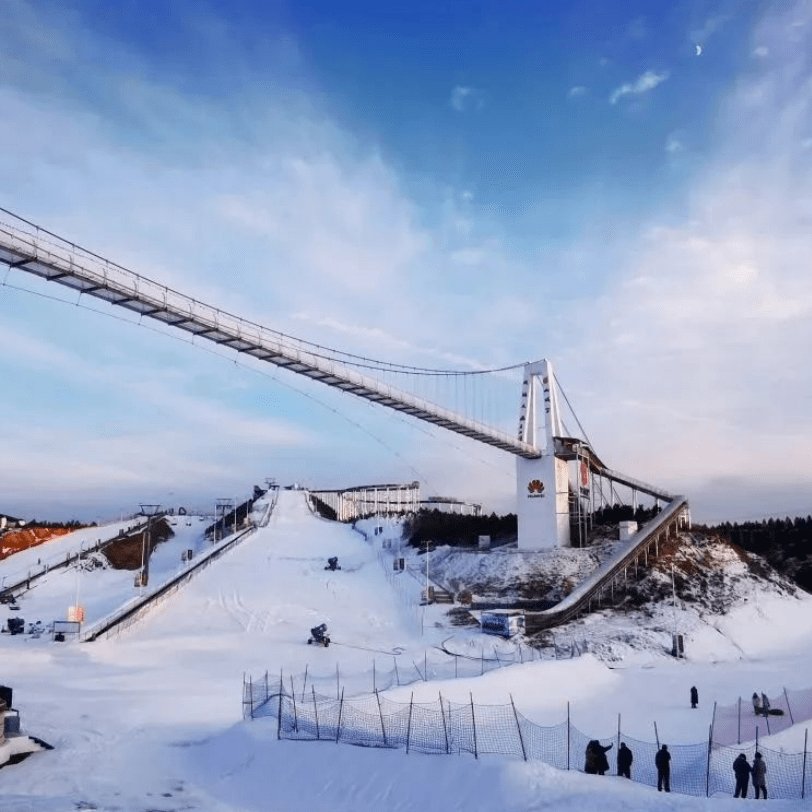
596, 762
743, 771
761, 705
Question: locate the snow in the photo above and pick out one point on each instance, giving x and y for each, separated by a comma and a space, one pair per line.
151, 719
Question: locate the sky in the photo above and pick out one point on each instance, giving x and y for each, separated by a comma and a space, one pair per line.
621, 189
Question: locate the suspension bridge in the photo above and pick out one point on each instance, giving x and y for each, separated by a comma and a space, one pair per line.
560, 479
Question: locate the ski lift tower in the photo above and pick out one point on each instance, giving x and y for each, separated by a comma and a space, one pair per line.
150, 511
542, 483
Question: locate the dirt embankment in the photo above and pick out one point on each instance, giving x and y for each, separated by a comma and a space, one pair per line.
126, 553
16, 540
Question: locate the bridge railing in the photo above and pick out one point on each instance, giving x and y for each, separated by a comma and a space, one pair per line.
579, 599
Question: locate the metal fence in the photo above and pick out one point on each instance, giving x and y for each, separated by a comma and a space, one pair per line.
443, 726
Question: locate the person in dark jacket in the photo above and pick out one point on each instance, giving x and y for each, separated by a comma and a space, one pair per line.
663, 763
760, 775
624, 761
596, 762
742, 769
694, 697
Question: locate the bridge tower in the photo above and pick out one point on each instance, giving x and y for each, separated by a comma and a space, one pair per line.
542, 484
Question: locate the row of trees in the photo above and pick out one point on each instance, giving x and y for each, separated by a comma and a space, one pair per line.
457, 529
785, 543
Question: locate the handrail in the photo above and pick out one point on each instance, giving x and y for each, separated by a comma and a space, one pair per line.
574, 603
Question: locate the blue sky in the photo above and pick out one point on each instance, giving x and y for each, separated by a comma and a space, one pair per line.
622, 189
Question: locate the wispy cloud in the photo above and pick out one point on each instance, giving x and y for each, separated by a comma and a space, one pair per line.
465, 98
674, 144
711, 26
578, 90
720, 296
643, 84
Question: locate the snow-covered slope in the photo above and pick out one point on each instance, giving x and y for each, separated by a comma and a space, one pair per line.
152, 720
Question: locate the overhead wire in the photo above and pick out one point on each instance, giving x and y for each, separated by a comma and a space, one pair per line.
419, 425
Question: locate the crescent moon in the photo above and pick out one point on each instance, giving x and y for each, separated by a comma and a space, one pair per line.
698, 50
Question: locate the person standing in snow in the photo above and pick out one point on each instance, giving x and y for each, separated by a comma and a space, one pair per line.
663, 763
596, 762
603, 762
694, 697
742, 769
765, 704
624, 761
760, 775
756, 704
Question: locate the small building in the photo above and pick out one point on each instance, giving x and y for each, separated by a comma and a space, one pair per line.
504, 622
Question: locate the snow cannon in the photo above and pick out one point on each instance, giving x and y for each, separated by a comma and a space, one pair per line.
319, 636
332, 563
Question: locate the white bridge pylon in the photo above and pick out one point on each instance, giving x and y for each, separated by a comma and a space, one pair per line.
543, 484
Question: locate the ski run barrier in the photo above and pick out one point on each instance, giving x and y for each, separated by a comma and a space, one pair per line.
132, 612
446, 727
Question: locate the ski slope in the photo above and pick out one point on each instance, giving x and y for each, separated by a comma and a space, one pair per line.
152, 719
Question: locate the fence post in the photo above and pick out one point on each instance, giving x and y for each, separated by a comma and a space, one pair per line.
340, 709
304, 684
568, 735
397, 676
380, 713
445, 726
739, 736
618, 735
707, 770
656, 736
279, 721
803, 772
251, 695
473, 721
295, 714
518, 727
713, 719
267, 687
315, 711
409, 724
789, 707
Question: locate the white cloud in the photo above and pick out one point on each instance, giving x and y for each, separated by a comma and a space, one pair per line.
578, 90
761, 52
713, 323
644, 83
711, 26
466, 98
674, 144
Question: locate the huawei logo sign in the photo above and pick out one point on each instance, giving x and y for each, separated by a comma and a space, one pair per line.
535, 486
